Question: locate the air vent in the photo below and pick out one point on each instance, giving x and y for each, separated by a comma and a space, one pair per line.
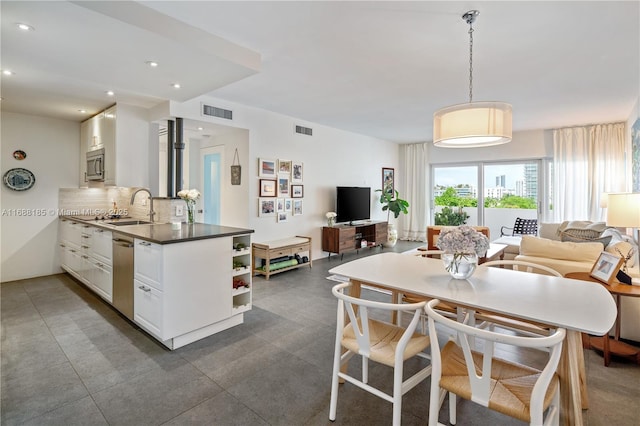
304, 130
162, 131
217, 112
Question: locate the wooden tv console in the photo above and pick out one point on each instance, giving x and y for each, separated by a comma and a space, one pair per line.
342, 238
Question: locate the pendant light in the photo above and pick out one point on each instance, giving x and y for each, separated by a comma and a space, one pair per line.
472, 124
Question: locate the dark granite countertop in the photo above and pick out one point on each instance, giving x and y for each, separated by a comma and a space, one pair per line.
163, 233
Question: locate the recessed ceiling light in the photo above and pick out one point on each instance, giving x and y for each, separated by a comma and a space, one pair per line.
176, 85
8, 72
83, 111
152, 64
201, 128
25, 27
110, 92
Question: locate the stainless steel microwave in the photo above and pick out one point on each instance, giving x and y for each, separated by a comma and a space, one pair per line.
95, 165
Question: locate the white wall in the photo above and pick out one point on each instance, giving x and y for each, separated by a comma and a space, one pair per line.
29, 243
331, 158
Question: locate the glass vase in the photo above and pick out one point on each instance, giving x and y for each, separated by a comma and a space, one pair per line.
460, 265
331, 221
190, 211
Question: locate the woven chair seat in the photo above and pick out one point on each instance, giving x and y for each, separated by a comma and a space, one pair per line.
384, 338
511, 383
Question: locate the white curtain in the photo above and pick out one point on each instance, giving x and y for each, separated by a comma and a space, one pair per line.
413, 158
588, 161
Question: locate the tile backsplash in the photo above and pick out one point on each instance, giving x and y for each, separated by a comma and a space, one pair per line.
100, 201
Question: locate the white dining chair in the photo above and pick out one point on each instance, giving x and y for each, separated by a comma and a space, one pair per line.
378, 341
515, 390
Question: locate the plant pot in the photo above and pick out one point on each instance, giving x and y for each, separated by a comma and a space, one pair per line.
392, 236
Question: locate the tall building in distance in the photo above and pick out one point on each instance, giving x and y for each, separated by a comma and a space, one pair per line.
531, 180
501, 181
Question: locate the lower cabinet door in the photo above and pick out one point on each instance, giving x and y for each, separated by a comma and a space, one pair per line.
102, 280
147, 308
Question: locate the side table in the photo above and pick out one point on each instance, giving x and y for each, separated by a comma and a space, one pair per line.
605, 344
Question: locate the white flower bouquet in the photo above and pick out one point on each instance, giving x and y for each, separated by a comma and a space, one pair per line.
462, 242
189, 196
331, 218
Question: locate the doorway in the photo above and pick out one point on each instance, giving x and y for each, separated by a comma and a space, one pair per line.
211, 161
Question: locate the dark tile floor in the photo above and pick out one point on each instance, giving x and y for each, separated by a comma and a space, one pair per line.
69, 359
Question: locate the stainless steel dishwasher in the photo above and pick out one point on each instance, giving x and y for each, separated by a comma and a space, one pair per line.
123, 274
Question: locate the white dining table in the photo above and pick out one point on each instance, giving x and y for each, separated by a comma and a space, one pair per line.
576, 305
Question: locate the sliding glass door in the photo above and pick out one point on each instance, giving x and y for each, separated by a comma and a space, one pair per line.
487, 194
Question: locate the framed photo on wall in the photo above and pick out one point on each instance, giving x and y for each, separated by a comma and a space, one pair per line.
266, 207
288, 205
266, 168
388, 181
280, 205
283, 187
284, 167
606, 267
267, 188
296, 172
283, 216
297, 207
297, 191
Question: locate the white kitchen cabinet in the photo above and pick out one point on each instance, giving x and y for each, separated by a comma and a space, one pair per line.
147, 264
102, 246
123, 131
101, 279
147, 302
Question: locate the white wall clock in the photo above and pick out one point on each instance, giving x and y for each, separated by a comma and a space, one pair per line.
19, 179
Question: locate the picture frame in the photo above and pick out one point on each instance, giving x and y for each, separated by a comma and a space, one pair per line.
297, 191
280, 205
296, 172
283, 217
267, 188
388, 181
606, 267
266, 168
288, 205
266, 207
297, 207
284, 167
284, 189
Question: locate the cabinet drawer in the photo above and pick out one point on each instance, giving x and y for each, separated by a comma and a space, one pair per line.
347, 234
102, 280
148, 263
298, 249
147, 308
280, 252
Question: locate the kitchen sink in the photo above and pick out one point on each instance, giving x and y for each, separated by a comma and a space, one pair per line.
129, 222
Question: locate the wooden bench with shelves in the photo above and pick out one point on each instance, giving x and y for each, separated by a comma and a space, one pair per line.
271, 250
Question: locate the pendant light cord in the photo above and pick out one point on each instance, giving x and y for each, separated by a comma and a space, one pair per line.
470, 61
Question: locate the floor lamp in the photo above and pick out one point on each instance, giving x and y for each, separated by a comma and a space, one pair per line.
623, 211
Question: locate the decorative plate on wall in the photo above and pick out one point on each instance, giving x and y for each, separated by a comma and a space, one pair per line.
19, 154
19, 179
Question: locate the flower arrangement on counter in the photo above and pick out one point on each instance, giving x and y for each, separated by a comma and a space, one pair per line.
189, 196
331, 218
462, 242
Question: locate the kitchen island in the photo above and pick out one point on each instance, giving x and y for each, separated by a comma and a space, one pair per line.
186, 283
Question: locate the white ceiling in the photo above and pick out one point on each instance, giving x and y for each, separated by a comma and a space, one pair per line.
377, 68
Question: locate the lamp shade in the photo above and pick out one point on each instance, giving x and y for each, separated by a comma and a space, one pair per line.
473, 124
623, 210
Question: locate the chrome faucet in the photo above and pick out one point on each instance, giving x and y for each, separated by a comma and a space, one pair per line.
151, 212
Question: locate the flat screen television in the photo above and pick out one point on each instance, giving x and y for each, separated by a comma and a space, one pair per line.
353, 203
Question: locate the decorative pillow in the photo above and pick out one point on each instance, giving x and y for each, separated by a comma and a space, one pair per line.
551, 249
576, 239
623, 243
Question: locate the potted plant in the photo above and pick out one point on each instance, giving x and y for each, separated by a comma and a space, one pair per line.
391, 202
